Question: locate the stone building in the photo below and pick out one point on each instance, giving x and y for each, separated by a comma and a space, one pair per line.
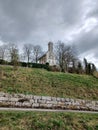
49, 56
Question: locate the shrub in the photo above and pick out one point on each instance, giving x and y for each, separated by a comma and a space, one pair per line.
3, 62
95, 74
23, 64
44, 66
54, 68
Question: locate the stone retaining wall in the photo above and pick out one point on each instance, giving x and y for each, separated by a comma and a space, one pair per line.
31, 101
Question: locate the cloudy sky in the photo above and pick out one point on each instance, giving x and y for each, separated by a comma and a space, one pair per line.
40, 21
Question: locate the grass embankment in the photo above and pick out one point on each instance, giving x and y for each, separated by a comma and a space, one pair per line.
47, 121
42, 82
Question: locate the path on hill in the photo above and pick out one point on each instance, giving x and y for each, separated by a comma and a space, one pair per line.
46, 110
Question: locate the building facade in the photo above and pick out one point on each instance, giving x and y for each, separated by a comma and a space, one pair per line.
49, 56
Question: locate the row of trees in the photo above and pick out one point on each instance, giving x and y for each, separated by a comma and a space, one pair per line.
68, 60
66, 57
29, 53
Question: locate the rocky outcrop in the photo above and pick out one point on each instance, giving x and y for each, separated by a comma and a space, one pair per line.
31, 101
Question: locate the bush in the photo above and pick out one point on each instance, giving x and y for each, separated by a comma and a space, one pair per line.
3, 62
44, 66
54, 68
23, 64
95, 74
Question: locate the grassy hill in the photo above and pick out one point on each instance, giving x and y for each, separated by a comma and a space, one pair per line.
42, 82
47, 121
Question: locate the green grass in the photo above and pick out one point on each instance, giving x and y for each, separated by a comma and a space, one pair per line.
42, 82
47, 121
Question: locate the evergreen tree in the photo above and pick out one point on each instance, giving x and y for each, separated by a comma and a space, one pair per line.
86, 65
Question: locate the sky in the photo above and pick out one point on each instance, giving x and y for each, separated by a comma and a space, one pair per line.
40, 21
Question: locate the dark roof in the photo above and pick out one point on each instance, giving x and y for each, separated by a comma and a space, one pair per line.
42, 56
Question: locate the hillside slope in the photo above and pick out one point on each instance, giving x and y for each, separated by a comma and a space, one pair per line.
42, 82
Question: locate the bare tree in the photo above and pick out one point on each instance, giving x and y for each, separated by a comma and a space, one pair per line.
13, 54
28, 52
3, 49
11, 50
60, 55
37, 51
65, 56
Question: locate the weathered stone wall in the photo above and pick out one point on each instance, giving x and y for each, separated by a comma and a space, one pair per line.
30, 101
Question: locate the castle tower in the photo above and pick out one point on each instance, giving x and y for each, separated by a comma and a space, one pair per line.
50, 47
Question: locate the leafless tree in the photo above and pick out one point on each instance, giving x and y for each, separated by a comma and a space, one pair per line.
37, 51
13, 54
12, 49
3, 49
28, 52
65, 55
60, 54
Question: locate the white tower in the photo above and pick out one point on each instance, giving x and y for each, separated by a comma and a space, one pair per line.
50, 54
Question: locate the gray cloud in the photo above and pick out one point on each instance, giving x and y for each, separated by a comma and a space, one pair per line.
87, 40
94, 10
39, 21
24, 18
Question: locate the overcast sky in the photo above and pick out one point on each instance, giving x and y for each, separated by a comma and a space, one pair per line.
40, 21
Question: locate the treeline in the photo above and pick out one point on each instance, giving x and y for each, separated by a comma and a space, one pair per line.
68, 61
28, 53
66, 58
